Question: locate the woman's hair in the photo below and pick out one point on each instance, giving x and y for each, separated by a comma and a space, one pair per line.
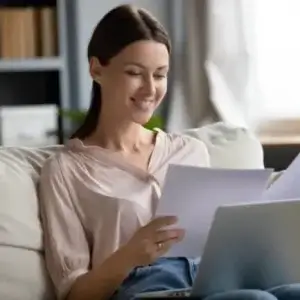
120, 27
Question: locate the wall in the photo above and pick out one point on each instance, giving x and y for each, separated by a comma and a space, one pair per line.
88, 13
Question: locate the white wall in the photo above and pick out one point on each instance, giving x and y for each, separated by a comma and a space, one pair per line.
89, 12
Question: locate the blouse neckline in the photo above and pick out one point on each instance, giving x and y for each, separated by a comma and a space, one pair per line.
116, 160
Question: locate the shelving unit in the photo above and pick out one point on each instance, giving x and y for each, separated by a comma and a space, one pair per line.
42, 80
31, 65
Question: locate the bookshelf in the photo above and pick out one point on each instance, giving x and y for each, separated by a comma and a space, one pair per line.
36, 42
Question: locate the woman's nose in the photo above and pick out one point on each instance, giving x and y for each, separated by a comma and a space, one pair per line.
149, 87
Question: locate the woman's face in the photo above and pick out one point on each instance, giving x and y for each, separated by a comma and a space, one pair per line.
134, 82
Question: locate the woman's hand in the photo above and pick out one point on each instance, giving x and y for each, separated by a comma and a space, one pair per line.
152, 241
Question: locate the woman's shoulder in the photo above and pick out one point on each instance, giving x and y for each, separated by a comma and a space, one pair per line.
179, 142
59, 162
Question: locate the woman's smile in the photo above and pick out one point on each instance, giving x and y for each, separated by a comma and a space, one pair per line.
143, 105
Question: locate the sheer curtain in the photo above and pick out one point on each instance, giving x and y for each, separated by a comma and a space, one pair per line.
231, 60
188, 92
239, 61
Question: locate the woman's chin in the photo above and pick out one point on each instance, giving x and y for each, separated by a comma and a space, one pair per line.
142, 120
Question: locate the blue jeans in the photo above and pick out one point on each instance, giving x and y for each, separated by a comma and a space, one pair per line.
179, 273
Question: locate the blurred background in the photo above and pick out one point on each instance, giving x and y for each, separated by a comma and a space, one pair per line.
233, 60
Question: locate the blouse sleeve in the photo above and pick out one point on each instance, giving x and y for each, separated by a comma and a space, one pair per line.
66, 248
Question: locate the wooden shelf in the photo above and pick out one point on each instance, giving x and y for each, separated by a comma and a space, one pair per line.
34, 64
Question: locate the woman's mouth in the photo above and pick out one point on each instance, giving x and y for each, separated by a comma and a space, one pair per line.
144, 105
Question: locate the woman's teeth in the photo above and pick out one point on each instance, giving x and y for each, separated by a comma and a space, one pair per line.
143, 104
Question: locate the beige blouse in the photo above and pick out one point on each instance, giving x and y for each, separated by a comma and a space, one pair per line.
92, 201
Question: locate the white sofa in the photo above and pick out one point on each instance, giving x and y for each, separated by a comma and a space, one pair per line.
22, 270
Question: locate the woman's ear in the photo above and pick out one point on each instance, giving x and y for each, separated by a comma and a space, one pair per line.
95, 69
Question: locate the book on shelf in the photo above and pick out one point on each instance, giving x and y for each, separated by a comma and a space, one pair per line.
48, 31
27, 32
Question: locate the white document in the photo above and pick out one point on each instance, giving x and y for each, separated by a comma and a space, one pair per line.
193, 195
287, 186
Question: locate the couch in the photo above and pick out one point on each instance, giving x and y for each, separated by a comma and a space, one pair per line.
23, 275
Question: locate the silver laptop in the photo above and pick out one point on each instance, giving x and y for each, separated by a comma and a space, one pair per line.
249, 246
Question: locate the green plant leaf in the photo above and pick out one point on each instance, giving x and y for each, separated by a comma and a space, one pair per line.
154, 122
76, 116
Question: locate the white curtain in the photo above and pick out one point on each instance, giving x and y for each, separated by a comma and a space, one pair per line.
231, 60
217, 66
236, 61
190, 105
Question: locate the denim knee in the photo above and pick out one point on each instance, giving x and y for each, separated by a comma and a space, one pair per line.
242, 295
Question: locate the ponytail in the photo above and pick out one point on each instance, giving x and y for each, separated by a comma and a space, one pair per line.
91, 120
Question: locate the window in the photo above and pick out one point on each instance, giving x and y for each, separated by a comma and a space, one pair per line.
278, 66
278, 57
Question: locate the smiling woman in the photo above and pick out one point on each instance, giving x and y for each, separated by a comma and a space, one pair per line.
136, 62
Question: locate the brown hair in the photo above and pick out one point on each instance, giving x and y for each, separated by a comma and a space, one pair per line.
120, 27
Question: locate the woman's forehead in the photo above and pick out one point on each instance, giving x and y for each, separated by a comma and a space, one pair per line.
144, 54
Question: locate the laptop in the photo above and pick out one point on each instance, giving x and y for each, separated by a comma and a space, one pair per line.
255, 245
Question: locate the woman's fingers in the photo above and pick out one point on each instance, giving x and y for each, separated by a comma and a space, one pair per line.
161, 222
165, 247
170, 234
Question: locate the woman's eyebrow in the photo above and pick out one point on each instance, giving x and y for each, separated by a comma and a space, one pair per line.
140, 65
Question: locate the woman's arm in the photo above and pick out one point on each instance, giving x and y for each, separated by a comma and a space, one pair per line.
101, 282
66, 247
141, 249
67, 251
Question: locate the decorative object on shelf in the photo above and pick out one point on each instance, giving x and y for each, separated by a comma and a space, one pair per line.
29, 125
77, 118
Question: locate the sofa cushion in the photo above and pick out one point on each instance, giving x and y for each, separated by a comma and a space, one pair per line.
23, 275
22, 271
19, 174
230, 146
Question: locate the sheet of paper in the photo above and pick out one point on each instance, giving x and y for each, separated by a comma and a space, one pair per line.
193, 195
287, 186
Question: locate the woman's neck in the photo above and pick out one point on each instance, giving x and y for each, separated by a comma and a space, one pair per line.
121, 137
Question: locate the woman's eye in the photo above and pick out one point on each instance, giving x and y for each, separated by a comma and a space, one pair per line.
160, 76
133, 73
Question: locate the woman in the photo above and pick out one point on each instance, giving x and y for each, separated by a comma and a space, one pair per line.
98, 195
